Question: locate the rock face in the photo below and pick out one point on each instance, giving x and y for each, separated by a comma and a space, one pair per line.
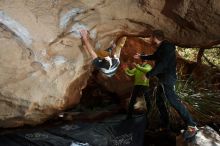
42, 65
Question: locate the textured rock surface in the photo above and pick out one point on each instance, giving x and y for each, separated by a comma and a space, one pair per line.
42, 65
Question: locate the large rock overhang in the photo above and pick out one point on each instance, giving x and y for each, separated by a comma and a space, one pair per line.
42, 65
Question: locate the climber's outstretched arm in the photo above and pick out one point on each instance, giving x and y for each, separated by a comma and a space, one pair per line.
88, 46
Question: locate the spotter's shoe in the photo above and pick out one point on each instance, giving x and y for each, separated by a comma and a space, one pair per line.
190, 133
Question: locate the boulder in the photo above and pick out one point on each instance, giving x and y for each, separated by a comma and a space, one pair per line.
43, 67
206, 136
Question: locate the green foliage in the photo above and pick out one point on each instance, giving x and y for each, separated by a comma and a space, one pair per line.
213, 55
188, 53
191, 54
205, 104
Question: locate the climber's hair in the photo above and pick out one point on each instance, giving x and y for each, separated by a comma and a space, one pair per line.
159, 34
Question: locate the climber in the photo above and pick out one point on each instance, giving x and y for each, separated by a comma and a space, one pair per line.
109, 64
141, 85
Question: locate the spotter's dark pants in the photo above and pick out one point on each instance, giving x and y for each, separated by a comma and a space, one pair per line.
166, 92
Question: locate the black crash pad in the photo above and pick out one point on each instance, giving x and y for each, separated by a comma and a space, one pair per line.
112, 132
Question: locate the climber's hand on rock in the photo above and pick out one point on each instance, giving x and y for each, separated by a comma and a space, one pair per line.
84, 34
